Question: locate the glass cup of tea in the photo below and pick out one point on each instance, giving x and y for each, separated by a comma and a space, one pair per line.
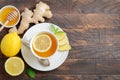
44, 45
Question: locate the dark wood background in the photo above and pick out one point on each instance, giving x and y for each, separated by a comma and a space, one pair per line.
93, 28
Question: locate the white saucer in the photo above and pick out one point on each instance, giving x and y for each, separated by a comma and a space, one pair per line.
55, 61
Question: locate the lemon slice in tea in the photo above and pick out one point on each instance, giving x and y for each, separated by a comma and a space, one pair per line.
42, 43
14, 66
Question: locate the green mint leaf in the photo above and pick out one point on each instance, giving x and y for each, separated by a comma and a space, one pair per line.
30, 72
57, 30
60, 32
53, 28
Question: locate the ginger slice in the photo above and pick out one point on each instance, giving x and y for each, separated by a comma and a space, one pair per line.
42, 10
14, 29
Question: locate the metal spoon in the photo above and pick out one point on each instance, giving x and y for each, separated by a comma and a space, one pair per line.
44, 62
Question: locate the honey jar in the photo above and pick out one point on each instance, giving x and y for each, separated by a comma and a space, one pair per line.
4, 13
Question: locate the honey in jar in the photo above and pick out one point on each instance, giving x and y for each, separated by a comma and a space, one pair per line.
4, 13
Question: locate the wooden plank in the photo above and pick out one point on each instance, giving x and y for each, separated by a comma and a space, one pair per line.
85, 21
105, 66
100, 77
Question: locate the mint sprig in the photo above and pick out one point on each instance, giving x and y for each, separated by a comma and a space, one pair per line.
54, 29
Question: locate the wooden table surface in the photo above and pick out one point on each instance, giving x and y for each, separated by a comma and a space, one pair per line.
93, 28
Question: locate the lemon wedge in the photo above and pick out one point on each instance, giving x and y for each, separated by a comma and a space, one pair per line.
64, 47
60, 35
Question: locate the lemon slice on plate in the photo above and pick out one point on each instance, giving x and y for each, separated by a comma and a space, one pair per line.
42, 43
14, 66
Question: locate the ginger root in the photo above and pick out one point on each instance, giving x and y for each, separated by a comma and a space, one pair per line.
42, 10
26, 20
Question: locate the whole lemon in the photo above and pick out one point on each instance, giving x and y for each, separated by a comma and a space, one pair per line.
10, 44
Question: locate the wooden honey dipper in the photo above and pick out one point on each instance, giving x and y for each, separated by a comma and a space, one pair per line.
10, 17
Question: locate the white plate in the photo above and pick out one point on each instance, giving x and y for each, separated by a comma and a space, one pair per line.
55, 61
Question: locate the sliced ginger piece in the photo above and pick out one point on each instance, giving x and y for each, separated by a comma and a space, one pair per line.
65, 47
63, 41
60, 35
14, 29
